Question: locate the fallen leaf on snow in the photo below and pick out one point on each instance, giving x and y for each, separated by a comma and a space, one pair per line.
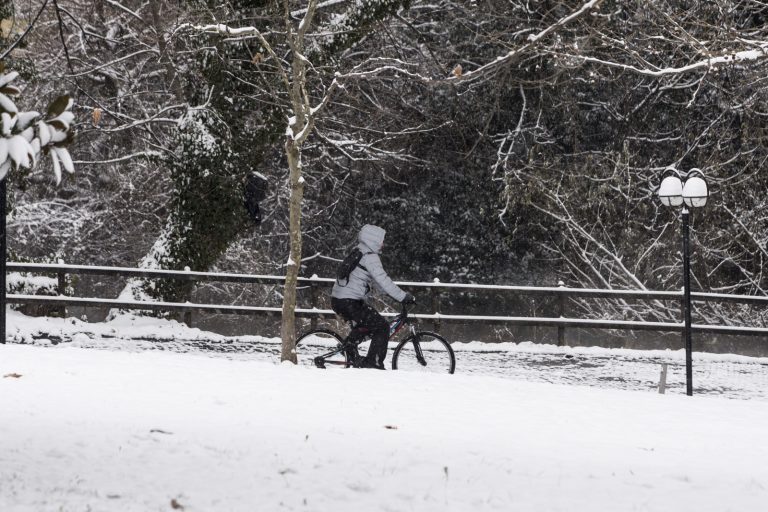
391, 427
176, 505
14, 375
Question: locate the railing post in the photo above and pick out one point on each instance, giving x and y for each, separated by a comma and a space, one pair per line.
62, 288
560, 314
188, 317
663, 379
313, 300
435, 305
187, 313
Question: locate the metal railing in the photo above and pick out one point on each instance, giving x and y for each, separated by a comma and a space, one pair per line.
559, 293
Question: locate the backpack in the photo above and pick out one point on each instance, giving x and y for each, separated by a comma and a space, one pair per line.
348, 265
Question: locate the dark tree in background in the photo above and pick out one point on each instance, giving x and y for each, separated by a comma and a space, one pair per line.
508, 142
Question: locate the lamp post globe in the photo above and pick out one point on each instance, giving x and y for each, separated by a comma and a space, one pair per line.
695, 192
671, 191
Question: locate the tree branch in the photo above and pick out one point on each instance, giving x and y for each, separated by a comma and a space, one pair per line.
27, 31
533, 40
722, 60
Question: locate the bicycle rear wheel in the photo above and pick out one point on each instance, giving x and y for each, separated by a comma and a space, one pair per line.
424, 352
321, 343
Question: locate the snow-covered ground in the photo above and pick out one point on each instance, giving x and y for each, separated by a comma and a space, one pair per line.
139, 431
208, 430
727, 375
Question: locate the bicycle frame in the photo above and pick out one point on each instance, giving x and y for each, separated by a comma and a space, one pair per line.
395, 326
398, 323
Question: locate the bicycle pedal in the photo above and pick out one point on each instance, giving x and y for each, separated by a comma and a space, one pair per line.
320, 362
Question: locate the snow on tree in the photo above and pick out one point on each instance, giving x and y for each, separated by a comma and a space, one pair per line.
598, 108
300, 103
28, 135
542, 146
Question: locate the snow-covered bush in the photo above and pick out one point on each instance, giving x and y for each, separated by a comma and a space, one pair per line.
31, 284
25, 136
24, 283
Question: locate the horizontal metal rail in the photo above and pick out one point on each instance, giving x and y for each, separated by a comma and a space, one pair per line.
558, 291
181, 275
326, 313
157, 306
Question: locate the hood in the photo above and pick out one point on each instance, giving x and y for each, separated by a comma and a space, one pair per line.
372, 237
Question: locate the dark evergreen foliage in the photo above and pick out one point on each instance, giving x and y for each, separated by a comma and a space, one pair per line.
543, 169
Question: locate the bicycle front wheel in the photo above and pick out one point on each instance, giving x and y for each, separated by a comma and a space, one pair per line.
321, 343
424, 352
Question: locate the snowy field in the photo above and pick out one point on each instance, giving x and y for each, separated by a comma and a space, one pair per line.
210, 430
726, 375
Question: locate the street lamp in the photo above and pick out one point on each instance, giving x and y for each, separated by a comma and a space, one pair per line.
3, 300
689, 191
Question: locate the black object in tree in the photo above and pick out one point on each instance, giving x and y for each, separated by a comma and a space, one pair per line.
254, 190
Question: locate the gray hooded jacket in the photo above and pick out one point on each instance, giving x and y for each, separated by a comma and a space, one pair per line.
371, 239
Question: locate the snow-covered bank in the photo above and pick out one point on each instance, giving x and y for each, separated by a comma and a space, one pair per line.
112, 430
27, 329
729, 375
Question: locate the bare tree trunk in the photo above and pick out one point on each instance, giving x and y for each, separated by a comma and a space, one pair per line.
288, 328
301, 121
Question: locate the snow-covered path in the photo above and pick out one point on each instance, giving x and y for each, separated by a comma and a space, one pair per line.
726, 375
110, 430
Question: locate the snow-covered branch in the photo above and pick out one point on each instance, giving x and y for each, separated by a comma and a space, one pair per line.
326, 3
141, 154
222, 29
156, 117
729, 59
125, 9
113, 62
395, 70
532, 41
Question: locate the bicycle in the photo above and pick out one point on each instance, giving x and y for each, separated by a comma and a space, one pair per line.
419, 351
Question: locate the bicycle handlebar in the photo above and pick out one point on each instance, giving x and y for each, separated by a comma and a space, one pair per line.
404, 310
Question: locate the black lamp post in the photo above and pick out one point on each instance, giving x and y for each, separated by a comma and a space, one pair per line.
692, 193
2, 257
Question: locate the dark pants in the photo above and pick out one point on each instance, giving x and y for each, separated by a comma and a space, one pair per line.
363, 315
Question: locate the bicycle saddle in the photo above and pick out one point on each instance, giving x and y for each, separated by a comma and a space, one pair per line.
359, 330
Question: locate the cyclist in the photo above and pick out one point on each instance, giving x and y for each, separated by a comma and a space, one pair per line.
350, 300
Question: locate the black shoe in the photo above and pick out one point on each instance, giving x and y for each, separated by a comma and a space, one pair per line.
320, 362
364, 362
351, 354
